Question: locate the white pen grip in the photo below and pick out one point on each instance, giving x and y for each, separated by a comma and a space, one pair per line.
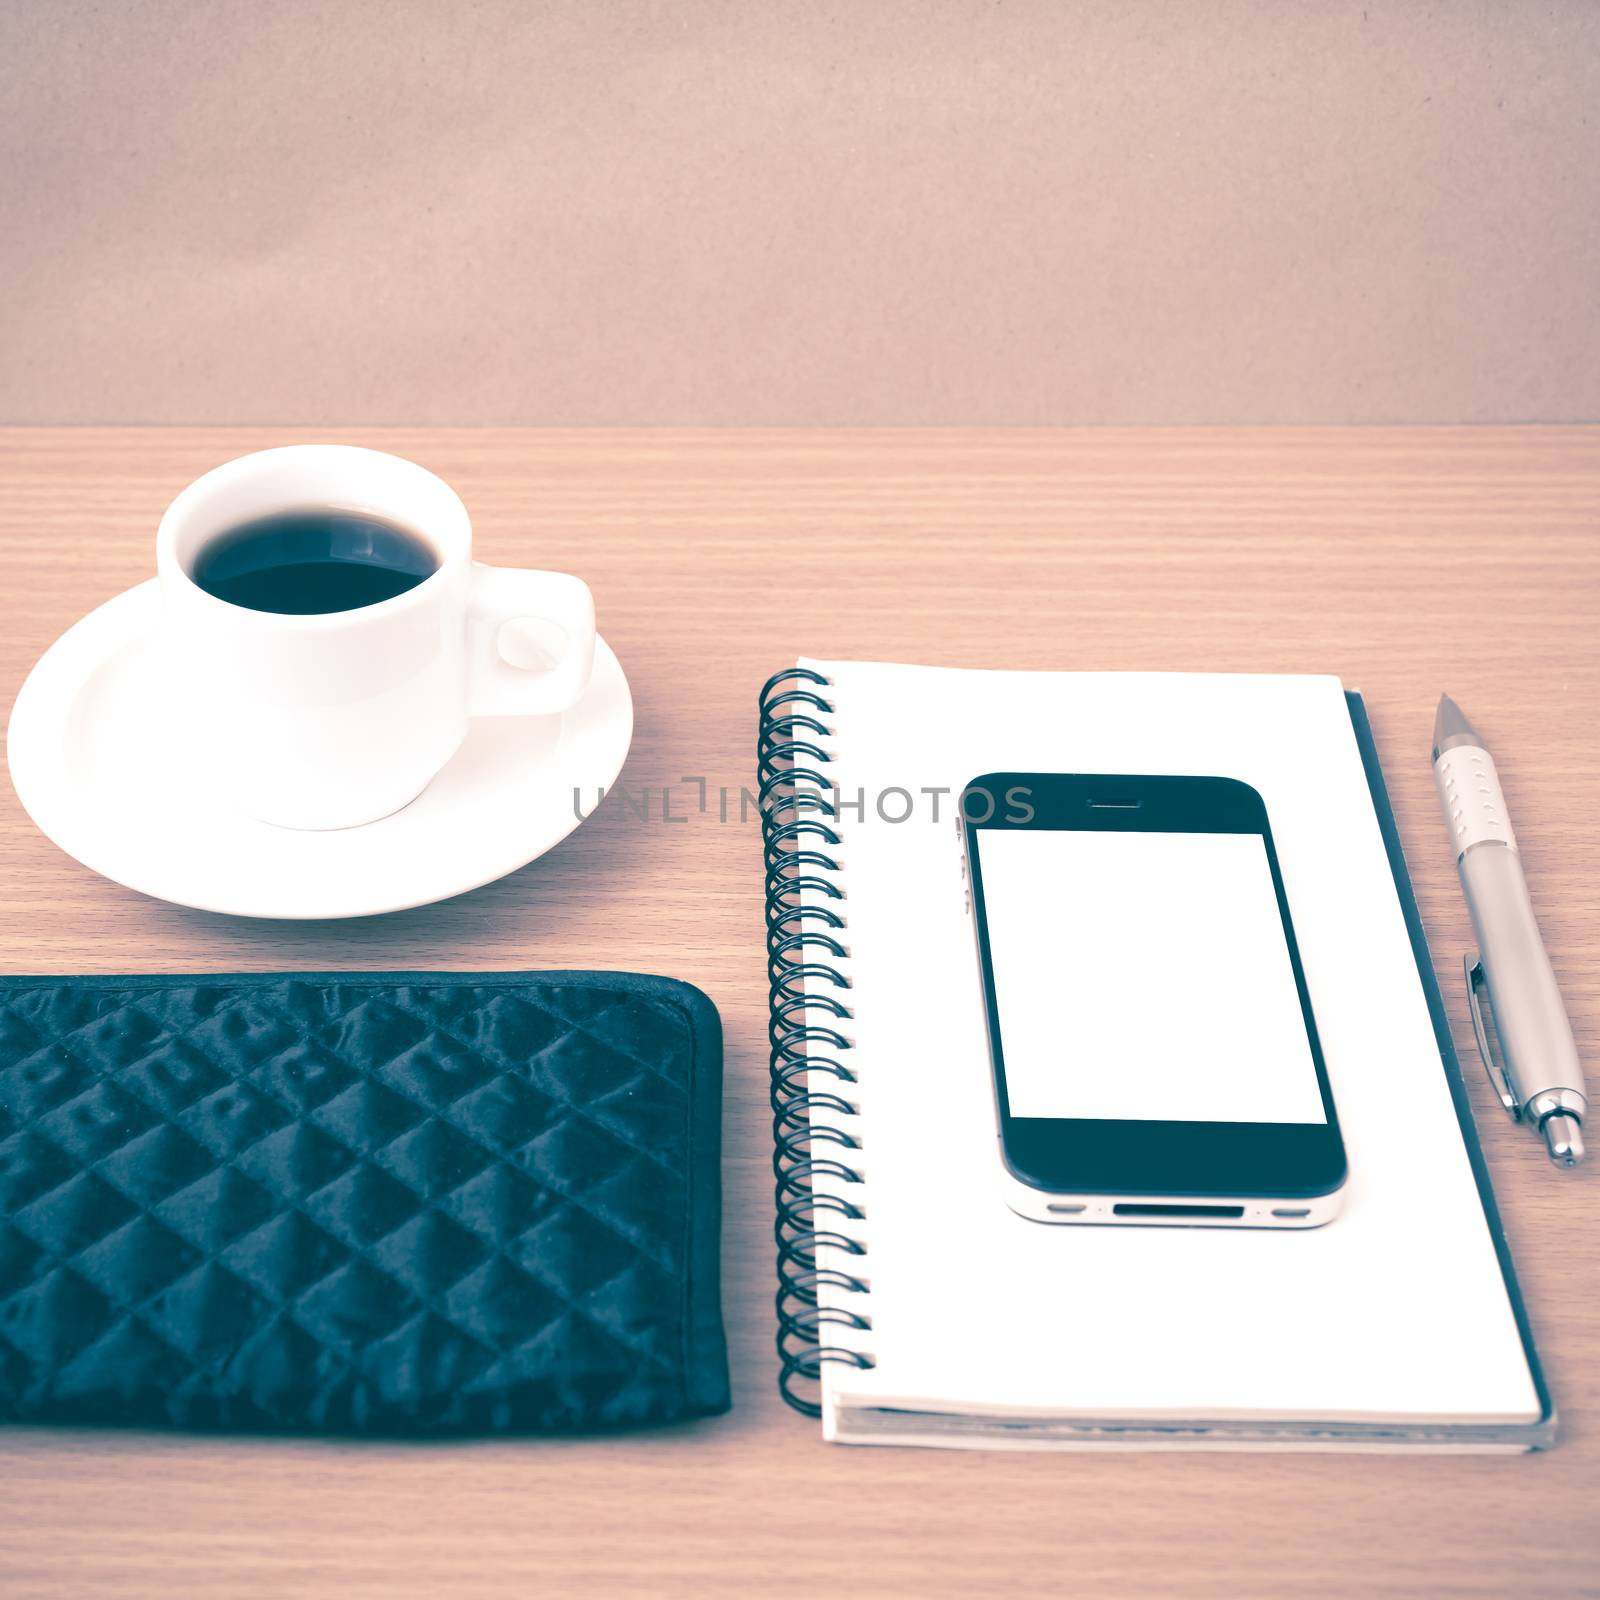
1474, 806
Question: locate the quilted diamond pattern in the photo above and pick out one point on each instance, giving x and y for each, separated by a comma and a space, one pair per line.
410, 1203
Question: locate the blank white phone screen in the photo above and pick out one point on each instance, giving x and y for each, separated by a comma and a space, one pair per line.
1144, 976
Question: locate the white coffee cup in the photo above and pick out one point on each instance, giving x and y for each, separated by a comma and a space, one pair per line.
340, 718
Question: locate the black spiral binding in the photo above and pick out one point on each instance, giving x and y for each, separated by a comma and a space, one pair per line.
798, 818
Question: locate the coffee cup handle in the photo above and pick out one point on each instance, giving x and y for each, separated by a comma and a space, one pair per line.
530, 641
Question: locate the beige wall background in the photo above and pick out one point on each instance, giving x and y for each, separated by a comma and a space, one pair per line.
870, 212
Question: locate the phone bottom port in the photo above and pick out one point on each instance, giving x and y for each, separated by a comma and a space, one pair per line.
1130, 1210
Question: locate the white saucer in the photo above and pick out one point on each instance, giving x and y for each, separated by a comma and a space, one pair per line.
94, 768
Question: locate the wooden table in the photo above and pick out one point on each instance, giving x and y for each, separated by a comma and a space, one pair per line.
1406, 560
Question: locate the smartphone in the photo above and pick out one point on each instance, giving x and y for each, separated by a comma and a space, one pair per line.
1155, 1058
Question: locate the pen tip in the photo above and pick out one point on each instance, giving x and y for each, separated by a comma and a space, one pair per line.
1563, 1138
1451, 728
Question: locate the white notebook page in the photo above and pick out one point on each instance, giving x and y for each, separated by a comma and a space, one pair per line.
1397, 1310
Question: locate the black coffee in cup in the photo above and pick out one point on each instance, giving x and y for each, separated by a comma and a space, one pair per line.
302, 563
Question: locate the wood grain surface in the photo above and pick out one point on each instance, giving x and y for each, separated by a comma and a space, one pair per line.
1407, 561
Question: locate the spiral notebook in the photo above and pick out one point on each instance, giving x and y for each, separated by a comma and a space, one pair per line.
914, 1306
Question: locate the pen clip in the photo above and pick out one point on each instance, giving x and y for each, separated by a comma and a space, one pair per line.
1498, 1081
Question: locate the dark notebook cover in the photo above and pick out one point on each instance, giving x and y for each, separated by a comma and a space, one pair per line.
1543, 1432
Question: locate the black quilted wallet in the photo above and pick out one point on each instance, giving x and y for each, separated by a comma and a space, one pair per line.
352, 1203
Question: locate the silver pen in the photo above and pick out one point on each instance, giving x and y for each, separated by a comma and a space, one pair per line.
1540, 1081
